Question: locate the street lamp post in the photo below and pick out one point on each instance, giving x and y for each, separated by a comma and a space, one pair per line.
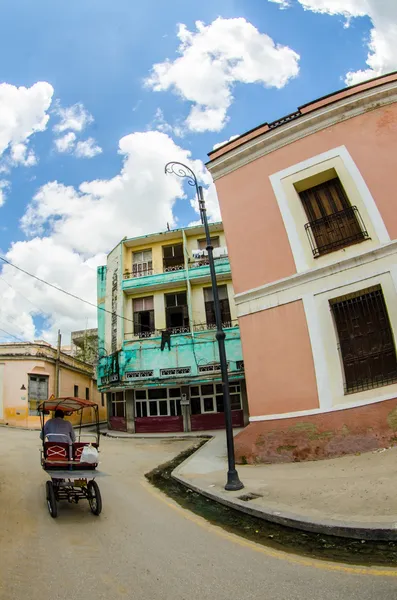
176, 168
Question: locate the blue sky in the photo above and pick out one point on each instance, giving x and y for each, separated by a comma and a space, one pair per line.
98, 55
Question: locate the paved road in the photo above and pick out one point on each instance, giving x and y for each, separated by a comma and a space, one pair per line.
143, 546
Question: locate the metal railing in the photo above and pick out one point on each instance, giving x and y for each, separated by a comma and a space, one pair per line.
147, 272
201, 262
211, 326
178, 330
335, 231
133, 275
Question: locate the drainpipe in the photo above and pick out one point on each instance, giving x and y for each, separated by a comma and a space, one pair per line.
57, 361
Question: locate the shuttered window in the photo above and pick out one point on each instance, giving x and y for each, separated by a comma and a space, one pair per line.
37, 392
333, 222
142, 263
202, 244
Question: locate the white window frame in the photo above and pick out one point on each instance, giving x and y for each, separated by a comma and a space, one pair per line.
146, 270
113, 396
215, 394
375, 223
147, 400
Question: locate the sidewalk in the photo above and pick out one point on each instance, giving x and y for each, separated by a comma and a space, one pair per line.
134, 436
352, 496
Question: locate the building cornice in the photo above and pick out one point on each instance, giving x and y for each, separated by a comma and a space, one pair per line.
297, 280
305, 125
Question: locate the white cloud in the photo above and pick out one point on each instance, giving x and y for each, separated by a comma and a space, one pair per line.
382, 46
74, 117
4, 185
87, 148
72, 229
23, 112
138, 200
20, 155
66, 143
220, 144
27, 298
213, 59
282, 3
160, 124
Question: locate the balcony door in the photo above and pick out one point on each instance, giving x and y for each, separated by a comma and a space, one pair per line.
176, 312
143, 309
173, 257
142, 263
332, 219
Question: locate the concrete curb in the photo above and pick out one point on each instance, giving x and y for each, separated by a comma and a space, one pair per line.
375, 531
150, 436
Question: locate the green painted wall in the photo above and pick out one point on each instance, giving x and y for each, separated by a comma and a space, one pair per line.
186, 351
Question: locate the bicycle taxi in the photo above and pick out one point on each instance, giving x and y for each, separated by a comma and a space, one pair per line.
71, 466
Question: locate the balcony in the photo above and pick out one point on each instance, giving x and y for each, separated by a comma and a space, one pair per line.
199, 268
150, 279
336, 231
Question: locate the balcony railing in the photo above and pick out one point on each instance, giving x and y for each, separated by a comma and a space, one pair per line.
154, 333
178, 330
171, 268
147, 272
203, 261
209, 326
336, 231
143, 273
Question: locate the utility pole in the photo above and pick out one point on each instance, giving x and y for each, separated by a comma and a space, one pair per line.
57, 363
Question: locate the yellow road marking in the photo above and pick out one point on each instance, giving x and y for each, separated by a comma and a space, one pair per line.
306, 562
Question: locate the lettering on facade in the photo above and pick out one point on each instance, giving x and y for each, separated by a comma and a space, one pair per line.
210, 368
114, 311
137, 374
110, 379
176, 371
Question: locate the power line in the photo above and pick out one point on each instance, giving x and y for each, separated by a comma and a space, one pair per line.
59, 289
23, 295
12, 335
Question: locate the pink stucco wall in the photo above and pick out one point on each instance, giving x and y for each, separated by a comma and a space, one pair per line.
257, 241
276, 349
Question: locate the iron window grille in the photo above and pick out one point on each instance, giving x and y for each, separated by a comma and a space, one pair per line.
366, 341
240, 365
335, 231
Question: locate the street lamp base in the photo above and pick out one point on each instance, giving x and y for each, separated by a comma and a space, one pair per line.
233, 482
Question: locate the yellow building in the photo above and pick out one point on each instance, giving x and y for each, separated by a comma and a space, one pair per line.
28, 373
158, 355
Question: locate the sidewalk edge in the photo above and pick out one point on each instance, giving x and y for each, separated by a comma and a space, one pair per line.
359, 530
